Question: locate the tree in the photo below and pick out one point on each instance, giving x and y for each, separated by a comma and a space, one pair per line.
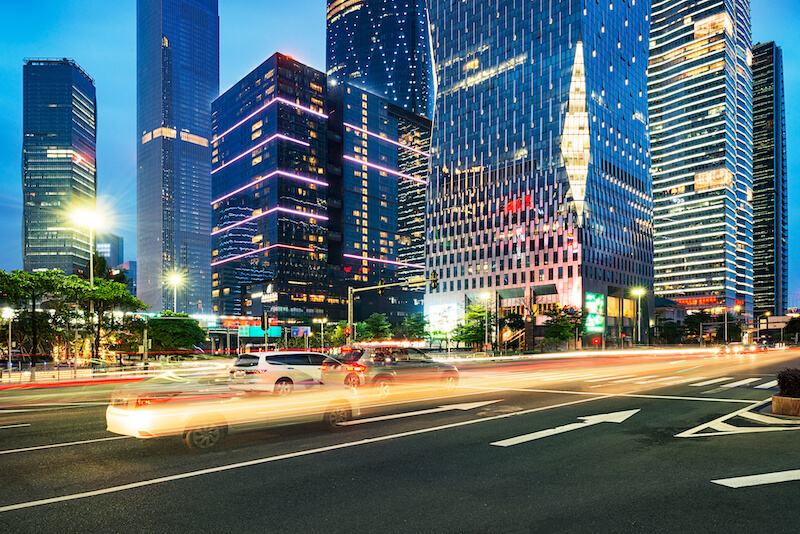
175, 332
793, 326
514, 323
670, 332
412, 327
562, 325
377, 327
693, 323
473, 330
337, 338
21, 288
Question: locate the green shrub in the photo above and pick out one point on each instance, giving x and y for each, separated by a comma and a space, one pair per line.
789, 383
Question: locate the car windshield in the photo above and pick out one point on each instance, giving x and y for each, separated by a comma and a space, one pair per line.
246, 360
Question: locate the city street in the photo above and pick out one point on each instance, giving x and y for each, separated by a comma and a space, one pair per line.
639, 443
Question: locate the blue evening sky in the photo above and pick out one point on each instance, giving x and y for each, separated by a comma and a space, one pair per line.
100, 35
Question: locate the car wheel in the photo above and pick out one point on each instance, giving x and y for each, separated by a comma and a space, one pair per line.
283, 386
383, 386
206, 436
352, 380
450, 381
336, 415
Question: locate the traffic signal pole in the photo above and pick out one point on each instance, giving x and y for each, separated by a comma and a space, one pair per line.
414, 281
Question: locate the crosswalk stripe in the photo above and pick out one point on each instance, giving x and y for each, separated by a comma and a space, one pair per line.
740, 382
767, 385
713, 381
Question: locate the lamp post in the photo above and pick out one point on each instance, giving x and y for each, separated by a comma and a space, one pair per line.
321, 322
89, 219
8, 313
638, 292
486, 297
175, 279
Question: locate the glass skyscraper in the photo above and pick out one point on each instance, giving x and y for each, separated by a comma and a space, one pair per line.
177, 65
59, 169
700, 90
539, 190
383, 46
269, 153
770, 168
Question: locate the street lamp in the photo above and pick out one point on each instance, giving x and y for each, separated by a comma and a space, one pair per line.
486, 296
321, 322
175, 279
638, 292
90, 220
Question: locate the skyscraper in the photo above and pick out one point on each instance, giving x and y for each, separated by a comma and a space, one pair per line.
770, 215
177, 78
270, 192
111, 247
59, 172
539, 187
701, 134
384, 47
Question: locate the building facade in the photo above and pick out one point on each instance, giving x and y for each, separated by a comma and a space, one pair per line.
539, 192
177, 64
111, 247
383, 46
378, 155
270, 194
770, 169
59, 168
701, 133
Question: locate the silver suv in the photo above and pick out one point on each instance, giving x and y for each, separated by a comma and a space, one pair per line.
278, 372
386, 367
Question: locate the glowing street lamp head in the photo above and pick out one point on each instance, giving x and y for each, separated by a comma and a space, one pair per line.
86, 218
175, 279
638, 291
486, 296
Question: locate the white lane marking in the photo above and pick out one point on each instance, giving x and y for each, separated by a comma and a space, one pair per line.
268, 459
713, 381
662, 379
740, 383
609, 378
718, 427
759, 480
57, 445
621, 395
633, 379
615, 417
15, 426
767, 385
464, 407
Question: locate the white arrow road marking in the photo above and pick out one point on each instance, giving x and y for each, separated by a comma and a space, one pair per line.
709, 382
758, 480
614, 417
463, 406
718, 427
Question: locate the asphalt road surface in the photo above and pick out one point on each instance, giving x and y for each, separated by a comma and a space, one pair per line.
647, 443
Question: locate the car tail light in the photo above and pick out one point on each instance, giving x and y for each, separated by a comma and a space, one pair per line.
147, 401
357, 367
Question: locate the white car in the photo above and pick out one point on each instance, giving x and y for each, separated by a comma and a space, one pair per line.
202, 408
279, 372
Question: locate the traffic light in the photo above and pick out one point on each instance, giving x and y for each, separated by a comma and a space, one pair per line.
596, 340
434, 280
347, 330
381, 289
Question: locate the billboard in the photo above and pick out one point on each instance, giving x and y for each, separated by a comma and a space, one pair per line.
300, 331
443, 317
595, 313
274, 331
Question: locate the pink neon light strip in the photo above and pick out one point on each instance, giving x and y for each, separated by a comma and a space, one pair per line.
400, 263
386, 169
262, 108
262, 249
412, 149
264, 214
270, 175
240, 156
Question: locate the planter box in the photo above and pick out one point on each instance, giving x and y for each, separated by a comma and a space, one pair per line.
786, 405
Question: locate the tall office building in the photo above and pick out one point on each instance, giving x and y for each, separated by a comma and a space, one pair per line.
539, 186
59, 173
177, 64
384, 47
701, 134
770, 214
270, 193
378, 155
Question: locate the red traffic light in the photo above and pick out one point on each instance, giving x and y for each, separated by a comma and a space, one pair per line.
346, 331
596, 340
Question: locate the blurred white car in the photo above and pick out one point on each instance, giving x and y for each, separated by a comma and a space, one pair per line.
278, 372
202, 408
